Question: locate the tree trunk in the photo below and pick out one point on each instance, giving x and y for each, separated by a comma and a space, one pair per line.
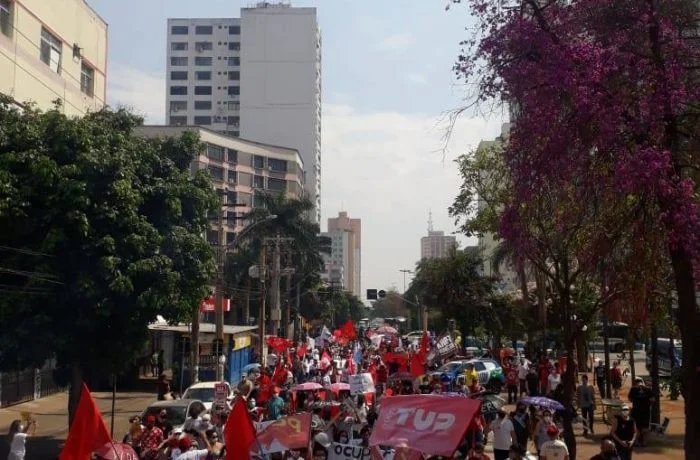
582, 353
656, 405
76, 387
542, 304
194, 349
689, 319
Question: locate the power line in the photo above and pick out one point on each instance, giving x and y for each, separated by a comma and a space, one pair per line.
40, 276
24, 251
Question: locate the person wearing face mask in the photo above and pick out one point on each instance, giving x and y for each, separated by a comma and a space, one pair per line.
541, 429
554, 379
521, 424
503, 435
607, 451
624, 433
641, 398
343, 437
555, 448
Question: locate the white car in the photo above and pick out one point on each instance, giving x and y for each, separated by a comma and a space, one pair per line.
204, 391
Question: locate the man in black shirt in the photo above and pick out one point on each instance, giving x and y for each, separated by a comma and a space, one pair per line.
600, 376
641, 398
607, 451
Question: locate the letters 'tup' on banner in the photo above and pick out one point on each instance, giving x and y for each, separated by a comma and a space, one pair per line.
430, 424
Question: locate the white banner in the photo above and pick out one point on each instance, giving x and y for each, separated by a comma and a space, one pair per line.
361, 384
339, 451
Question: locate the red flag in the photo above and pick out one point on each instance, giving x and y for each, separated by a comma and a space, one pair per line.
352, 367
348, 330
417, 368
239, 432
301, 351
88, 432
424, 345
278, 343
325, 360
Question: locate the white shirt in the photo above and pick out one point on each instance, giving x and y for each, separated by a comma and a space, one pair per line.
271, 360
554, 450
17, 448
523, 369
553, 382
193, 455
502, 430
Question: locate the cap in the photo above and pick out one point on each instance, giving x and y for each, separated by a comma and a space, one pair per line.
185, 443
151, 419
552, 429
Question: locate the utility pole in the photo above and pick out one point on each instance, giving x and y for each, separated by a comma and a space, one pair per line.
275, 278
262, 271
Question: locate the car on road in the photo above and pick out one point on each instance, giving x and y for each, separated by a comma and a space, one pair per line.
491, 374
176, 410
204, 391
413, 335
451, 370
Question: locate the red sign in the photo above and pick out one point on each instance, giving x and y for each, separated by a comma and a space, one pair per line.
287, 433
431, 424
209, 304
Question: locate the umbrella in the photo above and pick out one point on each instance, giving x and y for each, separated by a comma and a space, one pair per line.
117, 451
246, 369
545, 403
308, 386
386, 330
342, 386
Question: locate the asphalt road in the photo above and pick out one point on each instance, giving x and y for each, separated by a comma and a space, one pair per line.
52, 416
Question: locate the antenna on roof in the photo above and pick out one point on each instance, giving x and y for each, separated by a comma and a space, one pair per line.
430, 220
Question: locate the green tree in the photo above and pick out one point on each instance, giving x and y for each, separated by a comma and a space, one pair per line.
118, 220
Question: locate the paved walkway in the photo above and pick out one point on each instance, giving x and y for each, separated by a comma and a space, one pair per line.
52, 416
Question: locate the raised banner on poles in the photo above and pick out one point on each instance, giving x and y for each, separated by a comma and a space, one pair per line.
445, 346
361, 384
340, 451
431, 424
288, 433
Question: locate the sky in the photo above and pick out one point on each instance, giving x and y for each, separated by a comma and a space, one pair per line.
387, 88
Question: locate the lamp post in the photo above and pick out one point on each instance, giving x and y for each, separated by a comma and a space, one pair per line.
406, 271
224, 249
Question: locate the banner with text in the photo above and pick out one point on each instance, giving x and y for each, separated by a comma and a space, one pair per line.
287, 433
361, 384
445, 346
340, 451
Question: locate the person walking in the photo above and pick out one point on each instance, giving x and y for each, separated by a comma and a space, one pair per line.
624, 433
512, 382
540, 432
641, 398
521, 425
554, 380
600, 378
555, 448
615, 380
503, 435
586, 402
523, 369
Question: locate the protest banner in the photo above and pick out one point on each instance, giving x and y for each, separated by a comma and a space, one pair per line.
340, 451
288, 433
445, 346
220, 393
361, 384
430, 424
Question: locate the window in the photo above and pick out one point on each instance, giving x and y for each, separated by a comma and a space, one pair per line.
232, 156
277, 165
215, 152
259, 200
178, 106
232, 177
202, 75
230, 238
202, 105
199, 60
234, 75
6, 17
213, 237
234, 121
179, 61
178, 75
87, 79
234, 90
234, 61
179, 30
234, 30
203, 30
202, 90
178, 90
258, 182
258, 162
51, 50
178, 46
216, 172
234, 46
202, 120
234, 105
178, 121
203, 46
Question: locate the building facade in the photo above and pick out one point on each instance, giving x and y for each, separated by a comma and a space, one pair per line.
257, 76
436, 245
53, 50
346, 249
241, 170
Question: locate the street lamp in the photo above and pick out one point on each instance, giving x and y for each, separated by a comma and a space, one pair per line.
220, 286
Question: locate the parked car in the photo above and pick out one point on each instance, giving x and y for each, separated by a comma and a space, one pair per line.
490, 373
413, 335
176, 410
204, 391
666, 353
451, 369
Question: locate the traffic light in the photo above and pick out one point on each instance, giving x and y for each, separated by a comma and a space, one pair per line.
381, 294
371, 294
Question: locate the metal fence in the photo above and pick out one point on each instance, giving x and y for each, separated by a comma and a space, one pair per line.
22, 386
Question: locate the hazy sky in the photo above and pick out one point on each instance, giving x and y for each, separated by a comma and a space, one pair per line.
387, 83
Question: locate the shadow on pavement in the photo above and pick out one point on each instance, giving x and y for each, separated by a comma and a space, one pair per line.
38, 447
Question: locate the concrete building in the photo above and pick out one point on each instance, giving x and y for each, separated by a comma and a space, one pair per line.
53, 50
241, 170
257, 76
346, 249
436, 245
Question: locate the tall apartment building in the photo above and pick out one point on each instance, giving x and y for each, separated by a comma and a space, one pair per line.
436, 245
238, 168
257, 77
53, 50
346, 250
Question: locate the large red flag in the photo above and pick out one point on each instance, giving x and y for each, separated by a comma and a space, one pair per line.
348, 330
239, 432
88, 432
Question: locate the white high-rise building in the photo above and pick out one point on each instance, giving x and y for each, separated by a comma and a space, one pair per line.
257, 77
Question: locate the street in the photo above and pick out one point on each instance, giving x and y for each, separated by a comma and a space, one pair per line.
52, 416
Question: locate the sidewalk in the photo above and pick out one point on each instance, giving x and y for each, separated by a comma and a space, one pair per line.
52, 416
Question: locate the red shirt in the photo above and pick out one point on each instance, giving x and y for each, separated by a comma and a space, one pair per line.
511, 376
152, 438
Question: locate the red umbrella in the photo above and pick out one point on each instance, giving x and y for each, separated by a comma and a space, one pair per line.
117, 451
386, 330
337, 387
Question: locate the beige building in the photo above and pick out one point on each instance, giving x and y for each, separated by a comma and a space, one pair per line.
53, 49
436, 245
240, 170
346, 250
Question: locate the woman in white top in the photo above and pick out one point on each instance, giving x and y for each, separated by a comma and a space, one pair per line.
17, 438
